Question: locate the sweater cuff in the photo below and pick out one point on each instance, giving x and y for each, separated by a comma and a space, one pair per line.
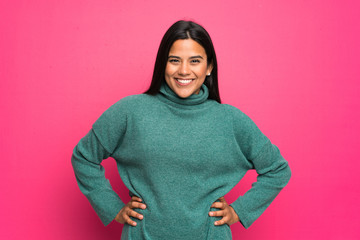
107, 205
242, 214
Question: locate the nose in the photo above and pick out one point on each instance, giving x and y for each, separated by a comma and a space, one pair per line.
184, 69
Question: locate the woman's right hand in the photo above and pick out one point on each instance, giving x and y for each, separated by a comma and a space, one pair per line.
124, 215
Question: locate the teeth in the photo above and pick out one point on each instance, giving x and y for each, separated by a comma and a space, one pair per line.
184, 81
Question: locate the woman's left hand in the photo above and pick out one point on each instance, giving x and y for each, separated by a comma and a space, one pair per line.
227, 213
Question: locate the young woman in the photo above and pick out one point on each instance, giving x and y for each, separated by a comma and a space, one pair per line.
179, 151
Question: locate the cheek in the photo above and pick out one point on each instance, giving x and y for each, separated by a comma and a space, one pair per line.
169, 70
202, 71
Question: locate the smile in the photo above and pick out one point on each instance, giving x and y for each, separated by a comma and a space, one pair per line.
184, 82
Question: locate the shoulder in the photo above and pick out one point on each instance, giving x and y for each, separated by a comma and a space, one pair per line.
240, 120
231, 109
130, 103
247, 134
234, 112
118, 112
136, 99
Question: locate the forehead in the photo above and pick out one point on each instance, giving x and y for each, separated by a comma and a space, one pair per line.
187, 47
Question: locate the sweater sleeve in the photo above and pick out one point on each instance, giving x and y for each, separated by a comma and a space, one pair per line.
272, 169
86, 160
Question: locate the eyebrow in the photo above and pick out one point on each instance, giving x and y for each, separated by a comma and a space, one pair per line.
197, 56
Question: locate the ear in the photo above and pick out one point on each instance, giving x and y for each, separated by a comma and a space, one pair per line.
209, 69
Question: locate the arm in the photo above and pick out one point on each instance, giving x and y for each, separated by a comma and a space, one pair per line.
273, 174
272, 169
86, 161
99, 144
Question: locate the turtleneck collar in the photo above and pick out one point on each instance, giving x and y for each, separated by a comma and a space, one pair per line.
194, 99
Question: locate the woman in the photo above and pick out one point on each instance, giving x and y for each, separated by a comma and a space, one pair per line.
179, 150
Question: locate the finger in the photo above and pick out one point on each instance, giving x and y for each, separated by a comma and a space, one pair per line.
135, 198
222, 221
220, 205
222, 199
217, 213
137, 205
134, 214
128, 220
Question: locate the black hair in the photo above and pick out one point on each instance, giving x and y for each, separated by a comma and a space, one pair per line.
185, 30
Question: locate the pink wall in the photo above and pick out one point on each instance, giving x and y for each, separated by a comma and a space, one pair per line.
292, 66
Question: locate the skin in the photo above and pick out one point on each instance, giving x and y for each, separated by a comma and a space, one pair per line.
187, 60
124, 215
227, 213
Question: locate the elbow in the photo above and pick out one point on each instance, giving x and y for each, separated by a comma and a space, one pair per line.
285, 174
75, 158
279, 174
73, 155
73, 161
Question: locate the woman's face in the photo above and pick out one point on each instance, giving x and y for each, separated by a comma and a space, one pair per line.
186, 68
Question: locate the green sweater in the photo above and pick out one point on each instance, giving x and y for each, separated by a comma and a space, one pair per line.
179, 155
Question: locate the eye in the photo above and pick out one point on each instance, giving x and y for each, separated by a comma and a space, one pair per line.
174, 60
195, 61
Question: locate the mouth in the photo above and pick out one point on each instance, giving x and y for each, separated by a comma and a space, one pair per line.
183, 81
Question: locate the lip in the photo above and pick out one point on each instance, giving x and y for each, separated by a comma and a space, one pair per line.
184, 84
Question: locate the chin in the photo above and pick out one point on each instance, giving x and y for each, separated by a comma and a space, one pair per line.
183, 90
182, 94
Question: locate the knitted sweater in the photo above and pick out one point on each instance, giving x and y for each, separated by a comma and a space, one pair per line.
179, 155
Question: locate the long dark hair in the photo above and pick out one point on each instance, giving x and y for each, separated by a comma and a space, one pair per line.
185, 30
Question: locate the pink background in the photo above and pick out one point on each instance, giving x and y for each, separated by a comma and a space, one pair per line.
292, 66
